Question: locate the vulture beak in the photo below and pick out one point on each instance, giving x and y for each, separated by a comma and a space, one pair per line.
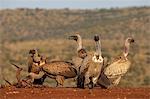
98, 44
73, 38
96, 38
32, 51
130, 39
78, 39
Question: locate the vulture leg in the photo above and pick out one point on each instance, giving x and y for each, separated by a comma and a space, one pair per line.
91, 84
80, 81
60, 81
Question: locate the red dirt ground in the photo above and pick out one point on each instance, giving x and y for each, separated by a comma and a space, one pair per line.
74, 93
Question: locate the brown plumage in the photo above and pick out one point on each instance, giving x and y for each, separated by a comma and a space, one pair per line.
91, 67
111, 75
81, 52
58, 70
61, 68
35, 60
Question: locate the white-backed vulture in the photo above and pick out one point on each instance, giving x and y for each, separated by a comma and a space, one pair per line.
58, 70
111, 75
81, 52
90, 68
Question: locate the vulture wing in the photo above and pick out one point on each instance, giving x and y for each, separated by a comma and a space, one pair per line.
118, 68
60, 68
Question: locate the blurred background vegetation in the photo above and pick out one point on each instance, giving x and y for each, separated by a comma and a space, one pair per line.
25, 29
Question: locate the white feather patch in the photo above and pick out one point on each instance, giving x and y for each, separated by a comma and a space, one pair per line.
99, 60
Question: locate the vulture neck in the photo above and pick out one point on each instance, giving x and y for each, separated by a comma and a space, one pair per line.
98, 48
79, 41
98, 57
126, 48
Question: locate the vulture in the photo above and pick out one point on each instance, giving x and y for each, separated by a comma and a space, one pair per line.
112, 73
90, 68
58, 70
35, 60
81, 52
39, 69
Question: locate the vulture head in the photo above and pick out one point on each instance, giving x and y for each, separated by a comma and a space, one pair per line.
128, 41
81, 51
34, 53
97, 55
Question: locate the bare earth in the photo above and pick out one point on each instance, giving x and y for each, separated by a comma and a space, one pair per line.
74, 93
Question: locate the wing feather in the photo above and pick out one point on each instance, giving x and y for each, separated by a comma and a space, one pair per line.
117, 69
60, 68
84, 66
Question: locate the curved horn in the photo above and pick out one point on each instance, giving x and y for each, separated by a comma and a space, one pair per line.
128, 41
98, 45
